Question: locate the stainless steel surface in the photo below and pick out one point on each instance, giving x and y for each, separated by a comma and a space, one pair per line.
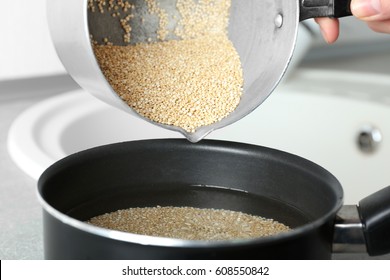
144, 24
265, 50
348, 231
354, 57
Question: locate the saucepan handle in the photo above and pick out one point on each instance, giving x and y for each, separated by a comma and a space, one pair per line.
374, 212
324, 8
364, 228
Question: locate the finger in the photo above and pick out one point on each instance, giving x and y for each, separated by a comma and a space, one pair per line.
380, 26
329, 29
371, 10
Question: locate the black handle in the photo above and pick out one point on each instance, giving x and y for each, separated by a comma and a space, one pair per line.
374, 212
324, 8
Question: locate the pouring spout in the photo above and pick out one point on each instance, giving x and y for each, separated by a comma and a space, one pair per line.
196, 136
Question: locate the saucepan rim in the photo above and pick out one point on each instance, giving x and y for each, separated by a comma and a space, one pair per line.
173, 242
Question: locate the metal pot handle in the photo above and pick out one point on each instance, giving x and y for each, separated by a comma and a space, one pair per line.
374, 212
324, 8
364, 227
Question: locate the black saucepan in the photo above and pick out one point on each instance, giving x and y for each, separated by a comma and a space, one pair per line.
210, 174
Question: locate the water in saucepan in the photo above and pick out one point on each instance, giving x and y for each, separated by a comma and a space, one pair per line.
180, 195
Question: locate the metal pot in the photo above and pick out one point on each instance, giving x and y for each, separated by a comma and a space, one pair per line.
210, 174
264, 33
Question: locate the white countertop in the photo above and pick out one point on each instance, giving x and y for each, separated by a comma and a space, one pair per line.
20, 212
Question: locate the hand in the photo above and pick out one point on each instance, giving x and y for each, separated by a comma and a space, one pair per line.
376, 13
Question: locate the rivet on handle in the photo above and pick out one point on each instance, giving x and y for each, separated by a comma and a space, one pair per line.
279, 20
